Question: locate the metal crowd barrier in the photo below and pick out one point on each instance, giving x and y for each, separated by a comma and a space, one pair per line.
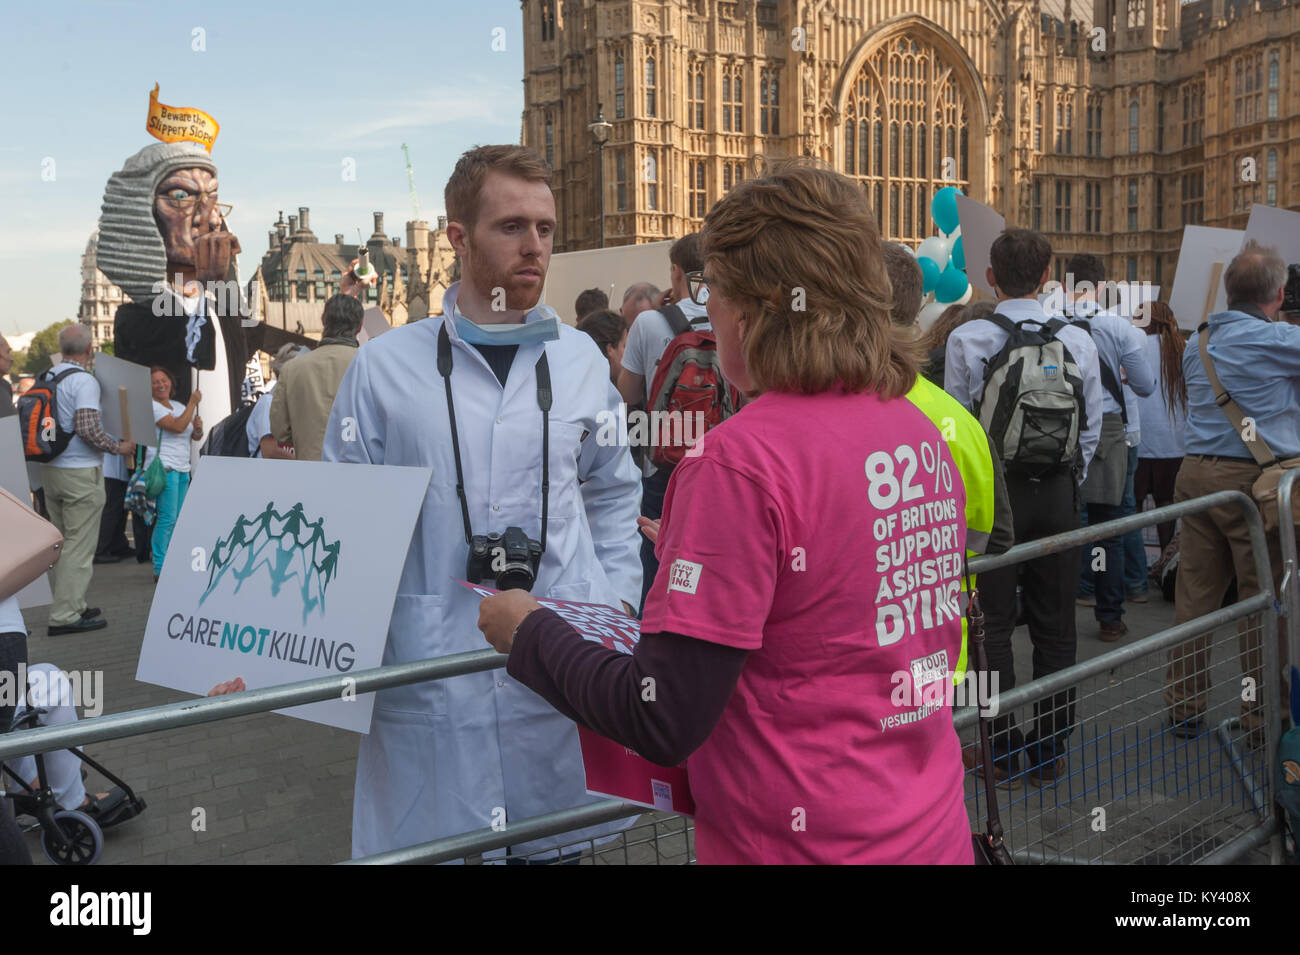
1163, 800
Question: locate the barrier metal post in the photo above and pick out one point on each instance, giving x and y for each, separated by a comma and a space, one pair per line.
1289, 599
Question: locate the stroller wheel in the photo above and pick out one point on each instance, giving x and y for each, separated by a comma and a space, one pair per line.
85, 841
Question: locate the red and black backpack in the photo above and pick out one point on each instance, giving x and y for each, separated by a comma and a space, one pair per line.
688, 381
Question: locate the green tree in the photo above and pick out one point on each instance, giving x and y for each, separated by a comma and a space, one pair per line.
43, 349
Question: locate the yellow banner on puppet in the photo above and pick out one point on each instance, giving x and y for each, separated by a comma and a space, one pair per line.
180, 125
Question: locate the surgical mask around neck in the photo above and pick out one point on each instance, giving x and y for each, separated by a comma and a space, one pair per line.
522, 333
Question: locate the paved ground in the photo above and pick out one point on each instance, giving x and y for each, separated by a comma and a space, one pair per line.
274, 789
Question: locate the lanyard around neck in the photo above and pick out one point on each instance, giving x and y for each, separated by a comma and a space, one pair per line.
543, 371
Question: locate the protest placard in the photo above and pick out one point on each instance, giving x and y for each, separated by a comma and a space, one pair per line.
611, 768
125, 399
1203, 247
13, 478
1279, 228
276, 573
373, 324
980, 225
610, 270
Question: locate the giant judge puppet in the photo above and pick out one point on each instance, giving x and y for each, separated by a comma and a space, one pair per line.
163, 240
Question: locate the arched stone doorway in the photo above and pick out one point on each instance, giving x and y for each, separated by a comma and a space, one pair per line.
913, 117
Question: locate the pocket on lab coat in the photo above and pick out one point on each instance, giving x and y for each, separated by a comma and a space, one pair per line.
580, 591
416, 633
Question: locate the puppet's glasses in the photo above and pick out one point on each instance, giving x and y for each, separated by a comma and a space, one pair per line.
187, 203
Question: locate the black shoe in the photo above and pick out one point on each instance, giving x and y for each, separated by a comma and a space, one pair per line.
107, 559
1189, 728
81, 626
90, 613
1047, 774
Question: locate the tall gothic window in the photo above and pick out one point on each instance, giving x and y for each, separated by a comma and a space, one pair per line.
650, 87
1274, 68
550, 141
1270, 178
620, 179
769, 102
1134, 116
1064, 202
650, 167
697, 189
1132, 205
1038, 125
548, 20
1038, 205
1093, 109
620, 87
732, 99
905, 134
695, 95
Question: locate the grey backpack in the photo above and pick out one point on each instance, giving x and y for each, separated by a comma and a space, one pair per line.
1032, 404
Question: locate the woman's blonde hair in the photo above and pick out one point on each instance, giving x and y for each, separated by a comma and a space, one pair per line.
799, 251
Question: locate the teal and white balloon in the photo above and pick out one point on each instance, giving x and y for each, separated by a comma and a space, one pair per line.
959, 254
930, 314
935, 247
952, 285
930, 273
943, 208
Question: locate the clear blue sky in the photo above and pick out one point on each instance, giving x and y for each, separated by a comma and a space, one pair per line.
296, 89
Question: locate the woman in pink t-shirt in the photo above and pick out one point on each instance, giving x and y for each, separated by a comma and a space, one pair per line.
801, 633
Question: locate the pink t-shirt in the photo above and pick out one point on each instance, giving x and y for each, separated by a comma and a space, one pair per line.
824, 533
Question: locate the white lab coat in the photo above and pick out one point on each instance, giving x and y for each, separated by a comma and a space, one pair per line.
442, 757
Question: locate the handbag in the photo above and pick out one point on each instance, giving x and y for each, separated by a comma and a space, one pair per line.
35, 545
1264, 490
990, 845
155, 475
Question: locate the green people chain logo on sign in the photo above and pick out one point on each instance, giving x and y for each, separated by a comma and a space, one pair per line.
291, 548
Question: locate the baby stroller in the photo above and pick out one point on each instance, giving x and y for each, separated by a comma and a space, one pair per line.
69, 836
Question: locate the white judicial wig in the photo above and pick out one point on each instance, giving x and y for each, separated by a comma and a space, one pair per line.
13, 478
125, 386
980, 225
612, 271
1203, 247
282, 571
1279, 228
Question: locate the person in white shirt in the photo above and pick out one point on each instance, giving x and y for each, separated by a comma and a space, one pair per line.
454, 755
1125, 371
74, 482
179, 425
1042, 503
649, 336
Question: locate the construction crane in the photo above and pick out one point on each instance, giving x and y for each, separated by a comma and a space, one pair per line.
410, 178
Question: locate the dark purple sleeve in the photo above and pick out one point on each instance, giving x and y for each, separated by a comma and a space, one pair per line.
664, 720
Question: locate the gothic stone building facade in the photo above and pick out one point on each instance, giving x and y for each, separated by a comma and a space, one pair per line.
1107, 124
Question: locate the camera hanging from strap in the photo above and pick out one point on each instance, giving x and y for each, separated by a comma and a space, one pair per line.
543, 371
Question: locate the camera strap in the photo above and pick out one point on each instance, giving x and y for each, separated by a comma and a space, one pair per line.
543, 371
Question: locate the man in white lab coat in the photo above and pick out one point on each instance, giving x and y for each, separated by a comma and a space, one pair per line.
453, 755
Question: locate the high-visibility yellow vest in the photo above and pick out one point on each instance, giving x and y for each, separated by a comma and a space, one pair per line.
969, 447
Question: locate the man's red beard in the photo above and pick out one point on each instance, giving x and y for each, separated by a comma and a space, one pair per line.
520, 297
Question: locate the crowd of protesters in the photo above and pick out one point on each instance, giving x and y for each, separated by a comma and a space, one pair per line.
760, 563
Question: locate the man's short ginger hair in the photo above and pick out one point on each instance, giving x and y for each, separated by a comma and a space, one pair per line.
463, 188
